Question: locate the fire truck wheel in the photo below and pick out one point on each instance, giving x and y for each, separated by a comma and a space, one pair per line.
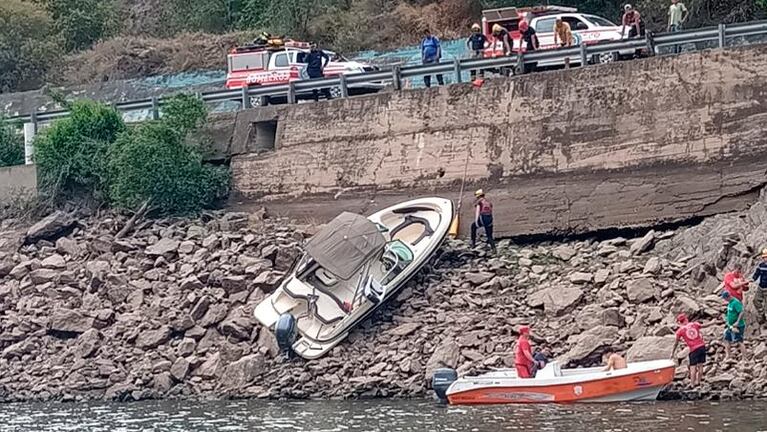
257, 101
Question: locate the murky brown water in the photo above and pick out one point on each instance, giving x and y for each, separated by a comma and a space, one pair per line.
381, 415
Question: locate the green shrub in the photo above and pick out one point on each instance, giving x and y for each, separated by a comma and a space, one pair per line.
71, 155
11, 145
156, 162
27, 46
185, 114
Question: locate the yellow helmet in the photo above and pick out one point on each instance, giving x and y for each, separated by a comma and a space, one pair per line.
475, 27
497, 28
479, 193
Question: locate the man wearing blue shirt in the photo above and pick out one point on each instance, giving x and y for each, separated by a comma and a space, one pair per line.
760, 297
431, 52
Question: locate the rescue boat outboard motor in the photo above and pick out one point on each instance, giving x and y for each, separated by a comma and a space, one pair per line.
285, 333
441, 381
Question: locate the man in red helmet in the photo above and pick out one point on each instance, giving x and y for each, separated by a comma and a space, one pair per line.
690, 333
523, 354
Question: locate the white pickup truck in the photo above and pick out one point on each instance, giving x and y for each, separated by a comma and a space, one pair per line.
587, 29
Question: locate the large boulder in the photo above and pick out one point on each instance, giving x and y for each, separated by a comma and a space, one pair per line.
581, 277
243, 371
589, 343
564, 252
651, 348
153, 338
237, 327
88, 343
210, 368
69, 321
180, 369
215, 314
556, 300
50, 228
684, 304
164, 246
641, 290
446, 355
478, 278
200, 308
643, 244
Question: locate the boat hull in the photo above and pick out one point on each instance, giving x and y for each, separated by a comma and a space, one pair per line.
644, 385
312, 344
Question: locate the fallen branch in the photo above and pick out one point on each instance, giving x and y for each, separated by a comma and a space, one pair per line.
132, 221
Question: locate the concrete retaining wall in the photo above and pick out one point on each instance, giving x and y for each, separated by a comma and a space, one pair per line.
622, 145
17, 182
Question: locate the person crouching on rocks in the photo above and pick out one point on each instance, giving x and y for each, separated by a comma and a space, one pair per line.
690, 333
735, 325
483, 217
523, 354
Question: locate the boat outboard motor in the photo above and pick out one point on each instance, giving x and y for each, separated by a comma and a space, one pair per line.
441, 381
285, 332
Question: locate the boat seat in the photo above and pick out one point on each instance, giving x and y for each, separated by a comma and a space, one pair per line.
428, 231
325, 277
329, 310
551, 370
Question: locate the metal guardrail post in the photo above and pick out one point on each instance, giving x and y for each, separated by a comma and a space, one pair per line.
457, 70
584, 55
291, 93
245, 97
343, 86
650, 42
521, 69
396, 77
30, 131
155, 108
722, 29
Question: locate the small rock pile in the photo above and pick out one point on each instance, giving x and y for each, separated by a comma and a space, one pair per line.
167, 312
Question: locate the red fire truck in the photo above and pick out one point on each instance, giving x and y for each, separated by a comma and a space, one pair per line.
281, 62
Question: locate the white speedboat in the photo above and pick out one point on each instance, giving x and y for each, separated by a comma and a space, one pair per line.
641, 381
351, 267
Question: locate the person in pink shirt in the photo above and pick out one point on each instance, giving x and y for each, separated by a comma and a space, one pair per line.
523, 354
690, 333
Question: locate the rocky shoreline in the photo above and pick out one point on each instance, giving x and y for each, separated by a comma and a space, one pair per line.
166, 311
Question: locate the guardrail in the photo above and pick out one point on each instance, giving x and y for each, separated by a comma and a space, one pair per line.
583, 54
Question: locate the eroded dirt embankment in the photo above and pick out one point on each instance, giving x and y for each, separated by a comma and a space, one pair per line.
167, 311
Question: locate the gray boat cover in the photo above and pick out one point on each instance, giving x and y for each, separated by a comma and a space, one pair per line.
346, 244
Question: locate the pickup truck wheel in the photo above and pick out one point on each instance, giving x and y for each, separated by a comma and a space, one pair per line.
603, 58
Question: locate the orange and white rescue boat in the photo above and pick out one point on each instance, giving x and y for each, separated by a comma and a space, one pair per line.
641, 381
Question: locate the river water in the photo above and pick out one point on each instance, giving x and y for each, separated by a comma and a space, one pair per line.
380, 415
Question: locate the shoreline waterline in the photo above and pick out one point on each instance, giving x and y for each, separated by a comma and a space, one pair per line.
378, 415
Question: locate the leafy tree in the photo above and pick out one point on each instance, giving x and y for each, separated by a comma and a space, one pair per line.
27, 48
81, 23
251, 14
155, 162
11, 145
71, 155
